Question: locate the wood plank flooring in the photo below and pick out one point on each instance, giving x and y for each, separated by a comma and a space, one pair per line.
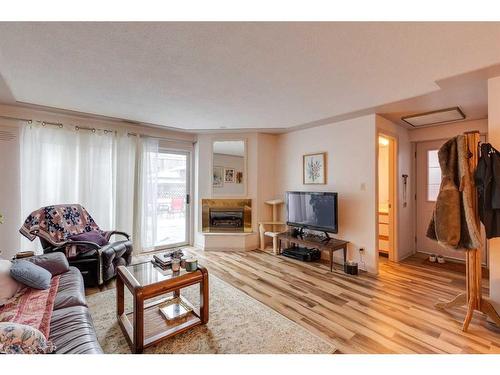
389, 313
392, 312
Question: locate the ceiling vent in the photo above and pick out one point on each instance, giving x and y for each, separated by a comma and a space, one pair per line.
440, 116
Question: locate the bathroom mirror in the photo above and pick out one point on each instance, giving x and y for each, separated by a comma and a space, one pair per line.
229, 168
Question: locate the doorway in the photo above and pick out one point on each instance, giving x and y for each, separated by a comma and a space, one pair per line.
386, 209
428, 181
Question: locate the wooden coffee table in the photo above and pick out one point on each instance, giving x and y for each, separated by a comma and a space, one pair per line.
145, 325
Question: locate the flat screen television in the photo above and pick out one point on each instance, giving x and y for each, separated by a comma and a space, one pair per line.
312, 210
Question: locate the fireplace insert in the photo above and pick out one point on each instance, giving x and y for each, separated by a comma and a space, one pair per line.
226, 219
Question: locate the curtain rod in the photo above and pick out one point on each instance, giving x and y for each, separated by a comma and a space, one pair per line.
93, 130
58, 124
162, 138
29, 121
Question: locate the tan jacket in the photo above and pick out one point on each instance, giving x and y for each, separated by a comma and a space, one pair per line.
453, 222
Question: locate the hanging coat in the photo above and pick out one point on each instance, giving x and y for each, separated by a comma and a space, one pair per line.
453, 222
487, 178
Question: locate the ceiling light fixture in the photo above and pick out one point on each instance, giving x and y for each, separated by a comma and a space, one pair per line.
440, 116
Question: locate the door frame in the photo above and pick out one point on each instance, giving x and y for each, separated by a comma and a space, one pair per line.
393, 194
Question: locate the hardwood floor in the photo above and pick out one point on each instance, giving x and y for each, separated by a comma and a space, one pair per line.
389, 313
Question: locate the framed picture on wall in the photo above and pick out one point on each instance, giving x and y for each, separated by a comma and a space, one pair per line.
314, 169
229, 175
239, 177
218, 177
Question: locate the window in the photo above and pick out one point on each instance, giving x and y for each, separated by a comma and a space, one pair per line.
433, 175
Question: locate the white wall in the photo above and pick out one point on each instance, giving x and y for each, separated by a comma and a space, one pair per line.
351, 167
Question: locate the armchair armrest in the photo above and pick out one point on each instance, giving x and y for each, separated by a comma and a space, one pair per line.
89, 244
108, 234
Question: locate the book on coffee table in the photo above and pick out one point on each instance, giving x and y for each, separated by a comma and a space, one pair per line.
162, 259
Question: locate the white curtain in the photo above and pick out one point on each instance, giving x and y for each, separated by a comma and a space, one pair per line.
126, 150
94, 169
146, 231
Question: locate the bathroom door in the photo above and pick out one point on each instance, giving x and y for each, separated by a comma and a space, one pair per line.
428, 180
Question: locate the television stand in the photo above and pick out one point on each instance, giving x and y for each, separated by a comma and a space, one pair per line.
328, 244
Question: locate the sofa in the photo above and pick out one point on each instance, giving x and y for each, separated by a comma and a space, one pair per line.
71, 327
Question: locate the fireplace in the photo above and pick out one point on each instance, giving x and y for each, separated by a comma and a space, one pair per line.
223, 218
227, 215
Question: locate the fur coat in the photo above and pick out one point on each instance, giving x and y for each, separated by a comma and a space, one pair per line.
453, 223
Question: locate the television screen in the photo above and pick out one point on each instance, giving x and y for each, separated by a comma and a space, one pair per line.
313, 210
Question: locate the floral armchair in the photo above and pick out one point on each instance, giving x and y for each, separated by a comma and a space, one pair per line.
70, 229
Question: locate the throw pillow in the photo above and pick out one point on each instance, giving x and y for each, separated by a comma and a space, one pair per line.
92, 236
23, 339
30, 274
56, 263
8, 285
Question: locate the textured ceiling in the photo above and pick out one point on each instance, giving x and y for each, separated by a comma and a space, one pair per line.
239, 75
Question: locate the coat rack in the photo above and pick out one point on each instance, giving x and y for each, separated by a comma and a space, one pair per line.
473, 296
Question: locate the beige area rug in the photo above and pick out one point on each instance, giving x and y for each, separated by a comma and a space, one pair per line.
238, 324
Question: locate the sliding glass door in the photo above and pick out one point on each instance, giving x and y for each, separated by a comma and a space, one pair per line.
172, 199
166, 213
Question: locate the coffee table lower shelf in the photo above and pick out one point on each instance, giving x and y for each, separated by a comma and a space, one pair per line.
156, 326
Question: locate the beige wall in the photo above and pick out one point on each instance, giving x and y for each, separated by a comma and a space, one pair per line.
10, 192
266, 155
494, 139
447, 131
351, 165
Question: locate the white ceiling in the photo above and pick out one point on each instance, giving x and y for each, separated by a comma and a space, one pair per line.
199, 76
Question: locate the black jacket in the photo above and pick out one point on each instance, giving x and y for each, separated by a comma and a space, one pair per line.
487, 179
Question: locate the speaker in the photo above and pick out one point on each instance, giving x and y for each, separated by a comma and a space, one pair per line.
351, 268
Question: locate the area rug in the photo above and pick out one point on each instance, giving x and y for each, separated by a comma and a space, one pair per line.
238, 324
